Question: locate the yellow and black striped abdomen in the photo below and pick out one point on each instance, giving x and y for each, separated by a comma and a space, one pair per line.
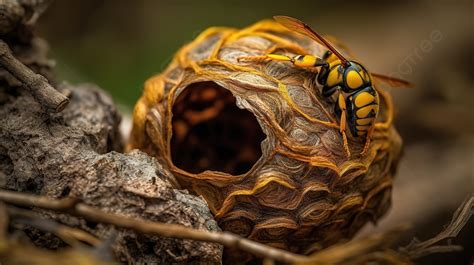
362, 110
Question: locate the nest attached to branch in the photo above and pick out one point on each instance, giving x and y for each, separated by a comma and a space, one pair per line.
261, 144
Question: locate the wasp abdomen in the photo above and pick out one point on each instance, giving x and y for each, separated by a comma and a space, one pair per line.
362, 110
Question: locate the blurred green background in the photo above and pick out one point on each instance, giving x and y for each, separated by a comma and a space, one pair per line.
118, 44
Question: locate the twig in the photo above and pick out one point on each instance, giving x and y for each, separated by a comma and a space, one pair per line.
371, 247
68, 234
342, 253
3, 220
22, 199
18, 252
73, 207
462, 215
36, 84
387, 257
179, 231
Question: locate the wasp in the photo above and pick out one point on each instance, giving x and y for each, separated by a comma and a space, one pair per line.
357, 104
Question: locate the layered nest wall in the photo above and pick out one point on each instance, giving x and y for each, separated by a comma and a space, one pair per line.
261, 144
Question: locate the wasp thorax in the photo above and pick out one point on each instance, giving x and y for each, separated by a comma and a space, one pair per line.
347, 77
261, 144
355, 76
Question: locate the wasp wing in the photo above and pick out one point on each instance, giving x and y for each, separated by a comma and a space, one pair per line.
343, 48
300, 27
392, 81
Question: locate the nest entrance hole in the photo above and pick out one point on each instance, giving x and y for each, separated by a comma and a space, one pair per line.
211, 133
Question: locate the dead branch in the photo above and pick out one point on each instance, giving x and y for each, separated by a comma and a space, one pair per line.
178, 231
387, 257
73, 207
462, 215
357, 249
70, 235
37, 201
360, 251
3, 220
14, 252
36, 84
338, 254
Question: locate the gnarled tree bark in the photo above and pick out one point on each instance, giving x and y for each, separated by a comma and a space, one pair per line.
74, 154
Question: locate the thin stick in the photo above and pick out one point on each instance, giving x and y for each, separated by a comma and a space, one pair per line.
460, 218
342, 253
68, 234
73, 207
36, 84
337, 254
22, 199
3, 220
179, 231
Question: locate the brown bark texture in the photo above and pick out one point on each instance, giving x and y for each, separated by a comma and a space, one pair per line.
74, 153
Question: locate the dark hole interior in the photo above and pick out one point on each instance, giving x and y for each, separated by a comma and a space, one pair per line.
211, 133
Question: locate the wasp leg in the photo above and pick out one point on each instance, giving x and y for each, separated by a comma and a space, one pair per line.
298, 60
367, 141
265, 58
342, 126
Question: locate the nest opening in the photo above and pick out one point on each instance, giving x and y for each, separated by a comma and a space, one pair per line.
211, 133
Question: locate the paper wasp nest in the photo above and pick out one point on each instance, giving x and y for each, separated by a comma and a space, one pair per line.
248, 137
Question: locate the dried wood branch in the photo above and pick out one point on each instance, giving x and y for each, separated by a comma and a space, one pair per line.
37, 201
73, 207
3, 220
355, 250
70, 235
462, 215
338, 254
14, 252
360, 251
36, 84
